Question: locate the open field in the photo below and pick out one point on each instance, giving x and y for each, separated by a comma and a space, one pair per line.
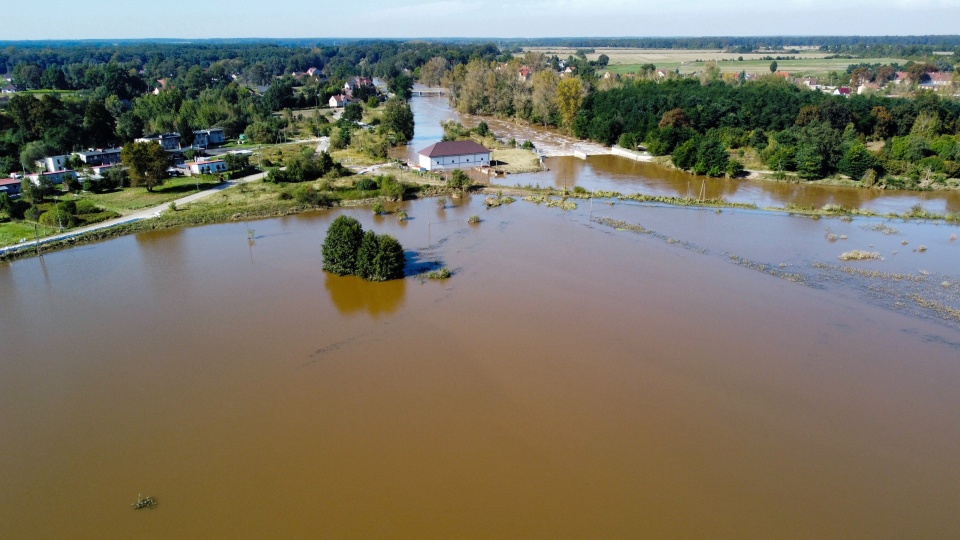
689, 61
127, 200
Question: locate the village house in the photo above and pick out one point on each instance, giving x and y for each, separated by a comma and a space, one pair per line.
208, 137
355, 83
206, 167
52, 163
841, 91
169, 141
55, 177
937, 79
10, 186
524, 74
339, 101
100, 156
8, 89
453, 155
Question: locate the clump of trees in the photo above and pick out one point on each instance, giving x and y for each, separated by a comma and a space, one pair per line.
305, 167
348, 250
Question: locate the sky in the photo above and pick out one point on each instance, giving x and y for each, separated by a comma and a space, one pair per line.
99, 19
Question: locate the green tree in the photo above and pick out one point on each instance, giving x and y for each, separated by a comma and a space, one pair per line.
389, 262
146, 163
570, 93
459, 180
367, 254
352, 112
773, 66
341, 245
398, 118
856, 160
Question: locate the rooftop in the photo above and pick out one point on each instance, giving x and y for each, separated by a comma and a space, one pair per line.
453, 148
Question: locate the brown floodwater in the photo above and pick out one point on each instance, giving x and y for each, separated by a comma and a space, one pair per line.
614, 173
570, 380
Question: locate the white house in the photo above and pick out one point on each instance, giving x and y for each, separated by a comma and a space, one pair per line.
206, 167
454, 155
339, 100
52, 163
55, 177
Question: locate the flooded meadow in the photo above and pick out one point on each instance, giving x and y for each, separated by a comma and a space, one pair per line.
619, 370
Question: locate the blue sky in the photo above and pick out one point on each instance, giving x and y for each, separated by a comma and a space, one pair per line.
73, 19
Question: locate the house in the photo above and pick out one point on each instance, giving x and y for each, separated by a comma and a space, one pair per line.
98, 170
55, 177
100, 156
208, 137
841, 91
52, 163
453, 155
339, 100
570, 70
10, 186
206, 167
524, 74
353, 83
8, 89
867, 87
169, 141
937, 79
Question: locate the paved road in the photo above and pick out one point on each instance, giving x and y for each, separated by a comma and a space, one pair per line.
147, 213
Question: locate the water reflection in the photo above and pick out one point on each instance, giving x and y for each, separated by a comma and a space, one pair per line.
352, 295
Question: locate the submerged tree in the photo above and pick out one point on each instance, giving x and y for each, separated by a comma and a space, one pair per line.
348, 250
341, 245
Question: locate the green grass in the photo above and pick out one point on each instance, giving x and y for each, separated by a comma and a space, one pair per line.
131, 199
11, 232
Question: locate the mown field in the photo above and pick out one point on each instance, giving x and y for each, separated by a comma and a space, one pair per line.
624, 61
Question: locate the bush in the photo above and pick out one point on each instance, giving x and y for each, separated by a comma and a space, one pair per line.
86, 206
367, 184
310, 196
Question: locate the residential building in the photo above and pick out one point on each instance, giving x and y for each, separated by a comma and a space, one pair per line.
208, 137
52, 163
10, 186
453, 155
100, 156
55, 177
8, 89
169, 141
339, 100
206, 167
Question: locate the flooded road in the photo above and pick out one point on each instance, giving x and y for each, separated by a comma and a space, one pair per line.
571, 380
613, 173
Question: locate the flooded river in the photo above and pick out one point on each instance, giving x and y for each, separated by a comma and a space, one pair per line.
613, 173
572, 380
615, 371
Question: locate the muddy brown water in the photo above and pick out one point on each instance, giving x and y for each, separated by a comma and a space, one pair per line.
571, 380
613, 173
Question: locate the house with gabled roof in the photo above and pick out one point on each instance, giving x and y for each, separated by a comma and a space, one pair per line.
453, 155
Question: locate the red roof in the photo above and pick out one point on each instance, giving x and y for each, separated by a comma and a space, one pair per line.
9, 181
453, 148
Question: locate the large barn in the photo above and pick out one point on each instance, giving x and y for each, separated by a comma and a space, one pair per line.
454, 155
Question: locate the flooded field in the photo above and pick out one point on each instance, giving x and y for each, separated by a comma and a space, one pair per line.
614, 371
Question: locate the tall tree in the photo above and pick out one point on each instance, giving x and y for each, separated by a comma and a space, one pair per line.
341, 245
398, 118
146, 162
570, 93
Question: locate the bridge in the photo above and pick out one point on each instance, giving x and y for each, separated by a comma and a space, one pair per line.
429, 92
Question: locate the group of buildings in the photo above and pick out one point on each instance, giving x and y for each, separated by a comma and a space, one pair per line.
56, 169
350, 90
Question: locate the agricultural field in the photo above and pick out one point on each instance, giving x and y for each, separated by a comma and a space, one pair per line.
807, 62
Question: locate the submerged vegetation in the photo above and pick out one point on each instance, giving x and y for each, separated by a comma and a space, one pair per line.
348, 250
